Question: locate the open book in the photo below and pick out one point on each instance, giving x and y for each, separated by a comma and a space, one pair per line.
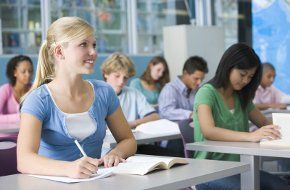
162, 126
102, 173
283, 121
141, 165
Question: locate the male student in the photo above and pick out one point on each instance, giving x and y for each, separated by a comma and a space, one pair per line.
267, 96
176, 99
117, 69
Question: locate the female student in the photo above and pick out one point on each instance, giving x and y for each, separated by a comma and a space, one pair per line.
223, 107
152, 80
19, 72
62, 108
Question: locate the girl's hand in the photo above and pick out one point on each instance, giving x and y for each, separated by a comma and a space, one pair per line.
111, 160
83, 167
270, 132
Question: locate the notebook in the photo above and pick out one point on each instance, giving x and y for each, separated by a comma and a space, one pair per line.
102, 173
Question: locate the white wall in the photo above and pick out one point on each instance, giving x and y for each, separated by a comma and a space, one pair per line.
183, 41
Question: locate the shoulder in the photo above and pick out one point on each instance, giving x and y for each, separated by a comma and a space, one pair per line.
99, 83
6, 89
101, 87
206, 89
135, 81
206, 93
40, 93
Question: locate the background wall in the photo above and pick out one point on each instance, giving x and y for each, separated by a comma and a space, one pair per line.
139, 61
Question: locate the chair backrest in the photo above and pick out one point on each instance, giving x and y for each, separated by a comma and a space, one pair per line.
8, 161
187, 135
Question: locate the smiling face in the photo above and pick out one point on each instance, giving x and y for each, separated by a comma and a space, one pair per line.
157, 71
23, 72
117, 80
240, 78
80, 55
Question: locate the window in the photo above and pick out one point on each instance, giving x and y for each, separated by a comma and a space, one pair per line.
21, 26
108, 17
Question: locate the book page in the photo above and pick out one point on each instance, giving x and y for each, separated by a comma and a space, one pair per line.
102, 173
165, 162
162, 126
140, 168
283, 121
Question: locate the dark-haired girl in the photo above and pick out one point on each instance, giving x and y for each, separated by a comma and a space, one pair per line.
223, 107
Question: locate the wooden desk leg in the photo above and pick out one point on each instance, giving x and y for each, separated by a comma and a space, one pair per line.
250, 180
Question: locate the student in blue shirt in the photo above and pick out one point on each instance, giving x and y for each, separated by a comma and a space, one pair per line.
62, 107
152, 80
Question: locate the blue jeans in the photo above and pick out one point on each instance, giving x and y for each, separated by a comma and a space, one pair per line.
267, 182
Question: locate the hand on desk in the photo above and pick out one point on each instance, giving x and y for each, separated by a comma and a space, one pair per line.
111, 159
83, 167
270, 132
278, 106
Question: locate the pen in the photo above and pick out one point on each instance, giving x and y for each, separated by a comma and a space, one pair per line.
80, 148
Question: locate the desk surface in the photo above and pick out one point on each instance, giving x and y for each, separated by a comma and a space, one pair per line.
196, 172
246, 148
9, 128
270, 111
142, 138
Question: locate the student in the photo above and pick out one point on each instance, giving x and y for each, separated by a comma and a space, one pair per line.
267, 96
19, 72
117, 69
175, 101
152, 80
63, 107
223, 107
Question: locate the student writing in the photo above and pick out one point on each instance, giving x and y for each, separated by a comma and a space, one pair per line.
62, 107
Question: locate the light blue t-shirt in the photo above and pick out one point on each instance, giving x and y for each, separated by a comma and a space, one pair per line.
151, 95
134, 104
56, 143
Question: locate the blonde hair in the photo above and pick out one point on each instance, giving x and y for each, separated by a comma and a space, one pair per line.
118, 62
61, 32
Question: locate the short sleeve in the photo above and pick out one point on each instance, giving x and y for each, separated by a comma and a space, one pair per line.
113, 102
205, 95
135, 83
34, 105
250, 106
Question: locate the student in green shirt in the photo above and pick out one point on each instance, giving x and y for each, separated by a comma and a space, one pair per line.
223, 107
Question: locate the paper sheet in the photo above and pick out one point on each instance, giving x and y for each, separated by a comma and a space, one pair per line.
102, 173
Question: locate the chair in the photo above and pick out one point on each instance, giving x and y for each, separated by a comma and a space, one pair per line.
8, 162
186, 134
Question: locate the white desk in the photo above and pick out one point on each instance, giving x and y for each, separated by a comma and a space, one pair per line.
249, 153
270, 111
9, 128
142, 138
196, 172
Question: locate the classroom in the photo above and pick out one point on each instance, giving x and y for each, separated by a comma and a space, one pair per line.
145, 94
